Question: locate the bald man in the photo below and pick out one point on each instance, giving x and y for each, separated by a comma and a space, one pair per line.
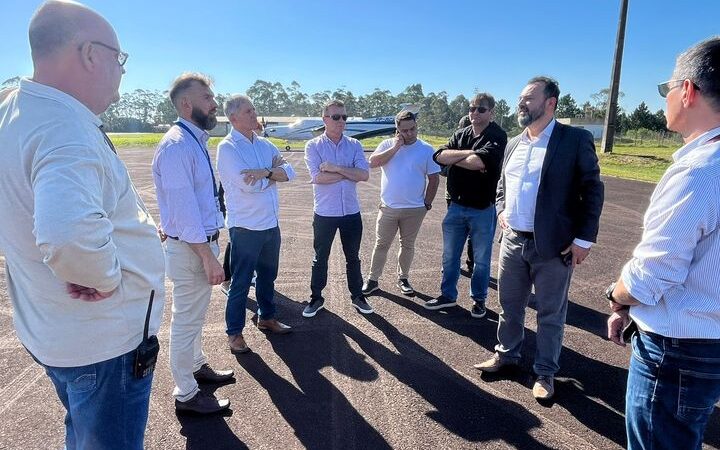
81, 249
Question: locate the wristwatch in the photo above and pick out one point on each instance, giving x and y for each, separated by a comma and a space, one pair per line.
428, 206
609, 296
269, 174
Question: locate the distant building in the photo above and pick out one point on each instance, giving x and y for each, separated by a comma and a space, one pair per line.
594, 126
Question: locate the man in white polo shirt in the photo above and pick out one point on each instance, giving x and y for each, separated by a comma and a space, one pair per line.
81, 250
406, 163
250, 167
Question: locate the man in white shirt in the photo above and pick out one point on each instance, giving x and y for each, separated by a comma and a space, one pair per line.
250, 167
670, 288
406, 162
549, 200
190, 217
81, 250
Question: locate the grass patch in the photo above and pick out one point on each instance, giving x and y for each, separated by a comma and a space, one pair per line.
644, 163
636, 163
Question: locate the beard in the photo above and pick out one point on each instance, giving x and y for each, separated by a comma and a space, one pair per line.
204, 121
526, 117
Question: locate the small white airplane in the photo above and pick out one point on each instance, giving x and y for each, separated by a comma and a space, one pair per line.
357, 127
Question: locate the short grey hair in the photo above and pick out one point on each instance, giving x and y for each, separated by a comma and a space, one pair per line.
54, 25
333, 102
701, 65
234, 102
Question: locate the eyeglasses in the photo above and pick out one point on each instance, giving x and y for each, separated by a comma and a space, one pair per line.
665, 88
480, 109
122, 57
337, 117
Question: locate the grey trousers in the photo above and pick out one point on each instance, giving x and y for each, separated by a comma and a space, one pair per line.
520, 269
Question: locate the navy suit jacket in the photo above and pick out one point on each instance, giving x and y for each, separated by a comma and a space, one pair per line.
570, 196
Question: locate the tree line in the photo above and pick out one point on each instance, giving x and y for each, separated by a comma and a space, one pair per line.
144, 110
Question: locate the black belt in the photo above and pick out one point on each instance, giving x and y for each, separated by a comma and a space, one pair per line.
671, 340
525, 234
212, 238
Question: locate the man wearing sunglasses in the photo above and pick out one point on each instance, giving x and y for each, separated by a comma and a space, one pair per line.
549, 200
669, 288
409, 183
336, 164
472, 157
81, 249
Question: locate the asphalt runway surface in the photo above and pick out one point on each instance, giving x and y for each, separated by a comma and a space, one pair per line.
400, 378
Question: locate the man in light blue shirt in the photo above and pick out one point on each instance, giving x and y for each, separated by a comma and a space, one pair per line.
336, 164
190, 217
670, 288
250, 168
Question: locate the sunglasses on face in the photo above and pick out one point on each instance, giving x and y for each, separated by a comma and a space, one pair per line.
665, 88
480, 109
337, 117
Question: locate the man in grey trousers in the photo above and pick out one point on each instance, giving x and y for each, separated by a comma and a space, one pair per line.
549, 201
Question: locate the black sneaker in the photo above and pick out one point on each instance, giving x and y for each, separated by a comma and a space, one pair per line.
469, 266
370, 286
478, 310
313, 307
439, 303
405, 287
362, 305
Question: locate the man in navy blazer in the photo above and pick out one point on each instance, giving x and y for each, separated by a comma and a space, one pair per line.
549, 201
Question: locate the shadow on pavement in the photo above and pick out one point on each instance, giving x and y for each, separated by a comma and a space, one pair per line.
210, 431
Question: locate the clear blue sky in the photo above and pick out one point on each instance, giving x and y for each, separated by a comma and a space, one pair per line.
453, 46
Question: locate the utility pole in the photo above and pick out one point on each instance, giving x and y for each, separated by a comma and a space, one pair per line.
611, 113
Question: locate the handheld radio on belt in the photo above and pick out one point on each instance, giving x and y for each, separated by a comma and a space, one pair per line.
147, 352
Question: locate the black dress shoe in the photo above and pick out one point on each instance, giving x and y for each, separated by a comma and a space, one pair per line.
203, 403
207, 374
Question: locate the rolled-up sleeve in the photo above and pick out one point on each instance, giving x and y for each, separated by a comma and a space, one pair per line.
676, 220
287, 167
71, 226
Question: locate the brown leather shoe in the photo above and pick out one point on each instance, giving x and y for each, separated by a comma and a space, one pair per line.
206, 374
544, 388
493, 364
203, 403
273, 326
237, 344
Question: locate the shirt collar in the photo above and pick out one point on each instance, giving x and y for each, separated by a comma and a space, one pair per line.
546, 132
239, 137
41, 90
342, 138
196, 130
695, 143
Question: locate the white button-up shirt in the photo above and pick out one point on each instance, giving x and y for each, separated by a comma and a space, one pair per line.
673, 272
254, 207
522, 180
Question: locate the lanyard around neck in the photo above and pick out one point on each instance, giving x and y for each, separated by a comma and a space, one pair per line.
204, 152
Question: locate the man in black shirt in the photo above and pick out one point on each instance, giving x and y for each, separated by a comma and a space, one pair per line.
474, 157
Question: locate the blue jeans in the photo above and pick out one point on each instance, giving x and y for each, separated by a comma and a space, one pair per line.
672, 388
252, 251
107, 407
324, 229
460, 223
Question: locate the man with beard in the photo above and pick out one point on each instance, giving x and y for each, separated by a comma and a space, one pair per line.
250, 168
472, 156
190, 218
669, 288
549, 200
409, 183
82, 255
